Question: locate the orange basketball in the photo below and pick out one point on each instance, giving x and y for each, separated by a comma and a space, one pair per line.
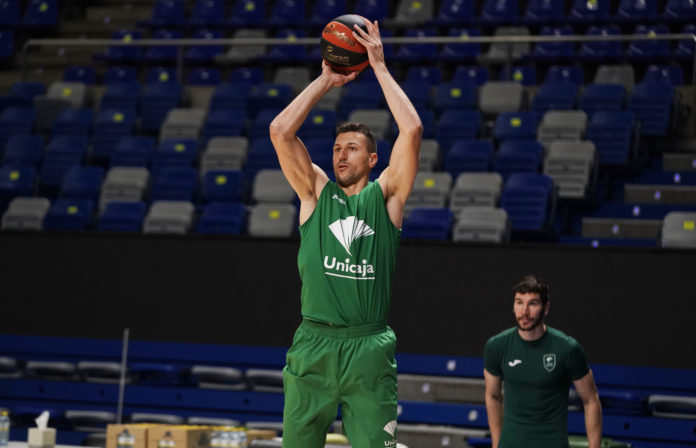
339, 48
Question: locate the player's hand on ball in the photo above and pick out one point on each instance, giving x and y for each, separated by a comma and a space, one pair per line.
371, 41
337, 79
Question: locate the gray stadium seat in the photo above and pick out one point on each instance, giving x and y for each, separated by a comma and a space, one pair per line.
9, 368
616, 74
678, 230
441, 389
570, 165
60, 95
413, 12
297, 77
429, 155
218, 377
500, 96
224, 153
199, 96
243, 53
89, 421
102, 372
183, 123
52, 370
562, 125
672, 406
498, 52
437, 436
265, 380
25, 214
475, 189
212, 421
330, 100
378, 120
482, 224
174, 217
272, 220
271, 186
429, 190
147, 417
124, 184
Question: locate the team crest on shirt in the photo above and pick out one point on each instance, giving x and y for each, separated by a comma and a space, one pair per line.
549, 361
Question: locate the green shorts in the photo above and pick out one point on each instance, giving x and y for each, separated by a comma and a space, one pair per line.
353, 366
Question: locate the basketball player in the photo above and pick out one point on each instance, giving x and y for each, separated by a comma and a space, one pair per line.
343, 351
537, 364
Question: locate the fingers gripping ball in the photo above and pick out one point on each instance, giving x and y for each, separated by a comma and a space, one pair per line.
339, 48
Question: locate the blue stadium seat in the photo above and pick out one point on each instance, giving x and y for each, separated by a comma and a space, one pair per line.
468, 155
40, 14
455, 95
430, 74
685, 47
518, 156
123, 54
230, 95
222, 218
457, 124
461, 51
527, 197
521, 125
82, 182
565, 73
175, 152
478, 75
554, 95
612, 134
360, 96
110, 126
161, 75
259, 127
428, 223
120, 74
261, 156
9, 13
288, 13
251, 75
15, 121
73, 122
319, 123
636, 11
223, 123
524, 74
649, 49
174, 184
287, 53
69, 214
594, 11
223, 186
159, 54
668, 74
326, 10
553, 50
77, 73
320, 152
204, 53
427, 116
157, 101
6, 44
122, 217
248, 13
417, 52
651, 104
121, 95
16, 180
133, 151
497, 12
207, 13
543, 12
418, 92
679, 11
373, 9
167, 14
21, 94
268, 95
602, 97
24, 149
455, 13
204, 77
62, 153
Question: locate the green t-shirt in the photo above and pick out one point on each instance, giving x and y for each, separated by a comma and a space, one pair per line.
536, 377
347, 256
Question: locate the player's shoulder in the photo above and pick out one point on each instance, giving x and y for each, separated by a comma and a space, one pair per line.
562, 338
501, 337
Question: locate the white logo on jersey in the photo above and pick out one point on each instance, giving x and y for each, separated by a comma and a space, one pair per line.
390, 428
514, 363
549, 361
348, 230
338, 199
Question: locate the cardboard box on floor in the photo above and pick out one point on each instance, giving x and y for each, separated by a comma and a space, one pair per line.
265, 434
189, 436
135, 434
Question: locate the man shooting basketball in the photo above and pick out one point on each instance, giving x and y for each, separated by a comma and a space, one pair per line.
343, 351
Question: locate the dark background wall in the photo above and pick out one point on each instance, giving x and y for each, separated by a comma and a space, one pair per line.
631, 307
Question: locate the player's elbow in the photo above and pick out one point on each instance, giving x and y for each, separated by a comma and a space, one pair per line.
414, 129
278, 131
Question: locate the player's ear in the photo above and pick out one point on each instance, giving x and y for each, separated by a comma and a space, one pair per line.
373, 159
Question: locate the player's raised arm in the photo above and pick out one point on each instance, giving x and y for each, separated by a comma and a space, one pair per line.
397, 180
303, 176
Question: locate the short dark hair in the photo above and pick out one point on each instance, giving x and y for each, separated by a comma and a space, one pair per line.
532, 284
361, 128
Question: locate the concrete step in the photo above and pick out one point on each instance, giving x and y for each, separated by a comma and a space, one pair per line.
663, 194
621, 228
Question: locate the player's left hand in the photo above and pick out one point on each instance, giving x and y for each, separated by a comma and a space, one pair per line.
336, 79
372, 42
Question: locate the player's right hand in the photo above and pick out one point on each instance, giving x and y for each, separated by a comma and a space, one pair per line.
337, 79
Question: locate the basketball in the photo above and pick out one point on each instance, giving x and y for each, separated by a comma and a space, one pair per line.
339, 48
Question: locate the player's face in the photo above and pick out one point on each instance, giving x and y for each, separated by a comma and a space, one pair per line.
351, 160
529, 311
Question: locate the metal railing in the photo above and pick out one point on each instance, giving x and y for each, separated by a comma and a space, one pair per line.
181, 44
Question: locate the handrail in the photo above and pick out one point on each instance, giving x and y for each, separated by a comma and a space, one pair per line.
510, 40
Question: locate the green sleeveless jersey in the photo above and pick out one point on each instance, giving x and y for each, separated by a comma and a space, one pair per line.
536, 377
347, 256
